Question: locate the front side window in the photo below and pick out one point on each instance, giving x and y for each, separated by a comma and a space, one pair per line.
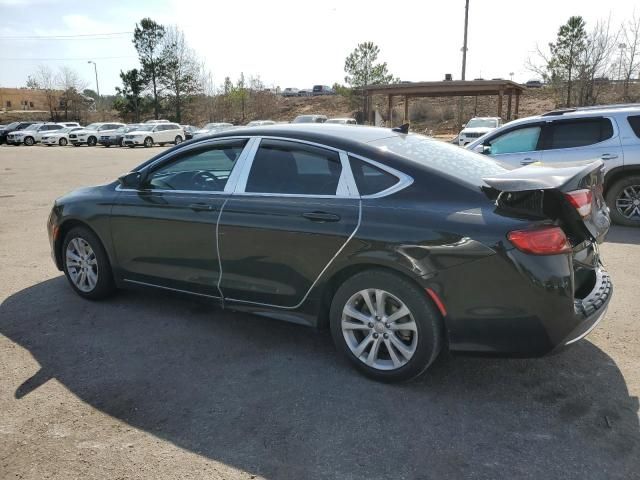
579, 133
202, 170
515, 141
290, 168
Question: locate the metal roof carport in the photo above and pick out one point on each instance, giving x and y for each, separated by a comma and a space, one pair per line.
447, 88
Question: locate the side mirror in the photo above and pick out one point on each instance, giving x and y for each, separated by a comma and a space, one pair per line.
131, 180
486, 150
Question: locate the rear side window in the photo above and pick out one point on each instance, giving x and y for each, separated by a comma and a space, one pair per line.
635, 124
291, 168
369, 179
442, 157
578, 133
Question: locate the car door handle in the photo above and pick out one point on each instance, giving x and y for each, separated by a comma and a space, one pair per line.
608, 156
321, 217
199, 207
527, 161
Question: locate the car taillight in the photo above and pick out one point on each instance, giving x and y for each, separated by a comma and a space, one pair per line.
581, 200
547, 240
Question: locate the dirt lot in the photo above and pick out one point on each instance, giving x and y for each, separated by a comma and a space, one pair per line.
151, 386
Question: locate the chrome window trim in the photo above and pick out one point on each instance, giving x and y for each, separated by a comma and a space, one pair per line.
404, 180
170, 288
315, 282
343, 190
229, 186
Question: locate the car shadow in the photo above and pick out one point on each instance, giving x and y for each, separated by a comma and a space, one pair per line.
274, 399
628, 235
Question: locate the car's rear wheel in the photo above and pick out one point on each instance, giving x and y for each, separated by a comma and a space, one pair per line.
63, 142
177, 140
148, 142
385, 325
29, 141
86, 265
91, 141
623, 199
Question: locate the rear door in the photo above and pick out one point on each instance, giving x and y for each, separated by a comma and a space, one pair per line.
583, 139
518, 146
290, 215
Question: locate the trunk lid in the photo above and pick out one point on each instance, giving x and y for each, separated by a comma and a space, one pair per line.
556, 192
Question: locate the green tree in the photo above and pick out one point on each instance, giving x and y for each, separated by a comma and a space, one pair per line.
148, 39
361, 67
133, 85
566, 52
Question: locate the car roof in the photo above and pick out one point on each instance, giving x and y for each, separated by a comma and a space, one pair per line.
580, 113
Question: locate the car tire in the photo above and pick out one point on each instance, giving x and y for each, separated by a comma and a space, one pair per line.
63, 142
177, 140
29, 141
82, 253
403, 357
148, 142
623, 193
92, 141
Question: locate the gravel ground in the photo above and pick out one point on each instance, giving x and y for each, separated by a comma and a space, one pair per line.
147, 385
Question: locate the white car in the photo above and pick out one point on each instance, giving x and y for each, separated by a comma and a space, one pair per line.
211, 128
32, 135
69, 124
58, 137
151, 133
260, 123
89, 134
476, 128
157, 120
342, 121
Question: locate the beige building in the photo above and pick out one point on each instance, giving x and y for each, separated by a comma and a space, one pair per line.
26, 99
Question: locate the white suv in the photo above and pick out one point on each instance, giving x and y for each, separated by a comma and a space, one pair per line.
476, 128
609, 132
32, 134
152, 133
89, 134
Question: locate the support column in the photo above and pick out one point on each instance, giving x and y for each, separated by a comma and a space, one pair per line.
390, 110
406, 109
500, 94
509, 105
517, 107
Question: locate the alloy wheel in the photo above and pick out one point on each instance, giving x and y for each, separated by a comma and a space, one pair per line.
82, 264
148, 142
628, 202
63, 142
379, 329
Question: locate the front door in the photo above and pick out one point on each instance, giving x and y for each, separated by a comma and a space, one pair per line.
285, 224
165, 233
517, 147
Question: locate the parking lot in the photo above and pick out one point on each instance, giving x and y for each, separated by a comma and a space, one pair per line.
159, 386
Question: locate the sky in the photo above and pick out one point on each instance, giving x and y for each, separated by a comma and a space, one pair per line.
291, 43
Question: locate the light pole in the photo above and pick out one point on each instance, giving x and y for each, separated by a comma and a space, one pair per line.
95, 69
621, 46
464, 61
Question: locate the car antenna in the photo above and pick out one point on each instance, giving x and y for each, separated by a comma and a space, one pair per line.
404, 128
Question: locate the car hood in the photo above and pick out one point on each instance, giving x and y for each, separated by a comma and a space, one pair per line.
55, 134
84, 131
137, 132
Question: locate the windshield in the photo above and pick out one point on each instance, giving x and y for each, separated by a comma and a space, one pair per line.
482, 123
93, 126
144, 128
67, 129
12, 125
304, 119
444, 157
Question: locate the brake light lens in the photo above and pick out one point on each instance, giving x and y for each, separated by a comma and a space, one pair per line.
547, 240
581, 200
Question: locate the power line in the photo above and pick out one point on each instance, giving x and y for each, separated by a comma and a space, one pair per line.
84, 36
31, 59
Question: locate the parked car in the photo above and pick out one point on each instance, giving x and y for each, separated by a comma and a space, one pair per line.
608, 132
343, 121
152, 133
260, 123
69, 124
189, 130
89, 135
116, 137
290, 92
322, 90
305, 92
12, 127
406, 245
477, 127
58, 137
310, 119
211, 128
534, 84
156, 120
32, 134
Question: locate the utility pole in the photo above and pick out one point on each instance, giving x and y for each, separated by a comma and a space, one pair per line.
464, 61
95, 69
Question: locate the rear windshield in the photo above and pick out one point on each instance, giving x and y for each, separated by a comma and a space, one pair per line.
444, 157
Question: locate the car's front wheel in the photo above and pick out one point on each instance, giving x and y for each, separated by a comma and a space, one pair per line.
385, 325
148, 142
29, 141
92, 141
623, 199
177, 140
63, 142
86, 265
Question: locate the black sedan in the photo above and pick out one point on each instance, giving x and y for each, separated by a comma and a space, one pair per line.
402, 245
